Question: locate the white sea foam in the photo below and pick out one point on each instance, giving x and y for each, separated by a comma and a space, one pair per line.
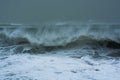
60, 51
55, 67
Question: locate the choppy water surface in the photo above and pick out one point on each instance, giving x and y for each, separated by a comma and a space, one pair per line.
59, 36
52, 50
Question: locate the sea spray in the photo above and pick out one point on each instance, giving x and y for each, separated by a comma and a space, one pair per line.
59, 36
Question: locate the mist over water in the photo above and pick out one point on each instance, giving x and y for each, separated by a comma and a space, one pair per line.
37, 11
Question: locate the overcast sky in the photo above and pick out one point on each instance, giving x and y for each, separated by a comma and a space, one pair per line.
28, 11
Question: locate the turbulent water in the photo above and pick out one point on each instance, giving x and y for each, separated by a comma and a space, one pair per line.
54, 36
59, 40
53, 50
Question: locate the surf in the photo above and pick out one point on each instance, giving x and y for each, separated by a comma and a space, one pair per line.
20, 38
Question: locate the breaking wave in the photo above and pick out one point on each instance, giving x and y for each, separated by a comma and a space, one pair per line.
18, 38
60, 34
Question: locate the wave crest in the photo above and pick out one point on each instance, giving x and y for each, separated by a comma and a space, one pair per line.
61, 34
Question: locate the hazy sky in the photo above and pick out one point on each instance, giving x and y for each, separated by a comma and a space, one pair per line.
31, 11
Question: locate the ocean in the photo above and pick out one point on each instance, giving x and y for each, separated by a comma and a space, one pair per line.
59, 40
